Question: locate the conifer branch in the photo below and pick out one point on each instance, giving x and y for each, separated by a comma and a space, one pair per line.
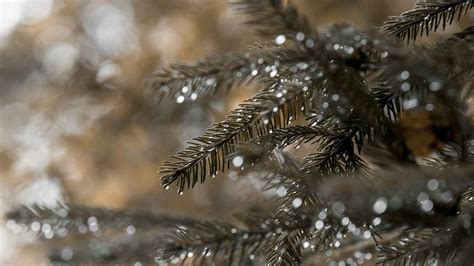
207, 155
425, 17
221, 72
82, 219
277, 17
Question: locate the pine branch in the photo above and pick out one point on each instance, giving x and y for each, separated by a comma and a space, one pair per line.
425, 17
223, 71
259, 147
277, 17
207, 155
68, 219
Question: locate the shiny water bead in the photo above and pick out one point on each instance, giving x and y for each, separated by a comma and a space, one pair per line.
435, 86
297, 202
131, 230
300, 36
281, 191
180, 99
305, 244
238, 161
380, 206
280, 39
404, 75
319, 225
67, 253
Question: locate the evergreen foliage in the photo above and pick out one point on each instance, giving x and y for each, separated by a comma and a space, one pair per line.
390, 173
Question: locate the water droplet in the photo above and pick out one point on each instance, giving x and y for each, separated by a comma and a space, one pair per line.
279, 95
238, 161
297, 202
380, 206
254, 72
275, 109
305, 244
433, 184
185, 89
319, 225
300, 36
435, 86
180, 99
405, 86
427, 205
281, 191
67, 254
190, 254
131, 230
280, 39
345, 221
35, 226
404, 75
273, 73
194, 96
167, 187
376, 221
309, 43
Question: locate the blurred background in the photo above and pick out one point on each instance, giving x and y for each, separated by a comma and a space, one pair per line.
74, 125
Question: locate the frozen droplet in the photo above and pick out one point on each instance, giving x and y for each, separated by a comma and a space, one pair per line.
335, 97
279, 95
180, 193
266, 121
180, 99
297, 202
325, 105
280, 39
238, 161
190, 254
167, 187
185, 89
254, 72
194, 96
380, 206
275, 109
